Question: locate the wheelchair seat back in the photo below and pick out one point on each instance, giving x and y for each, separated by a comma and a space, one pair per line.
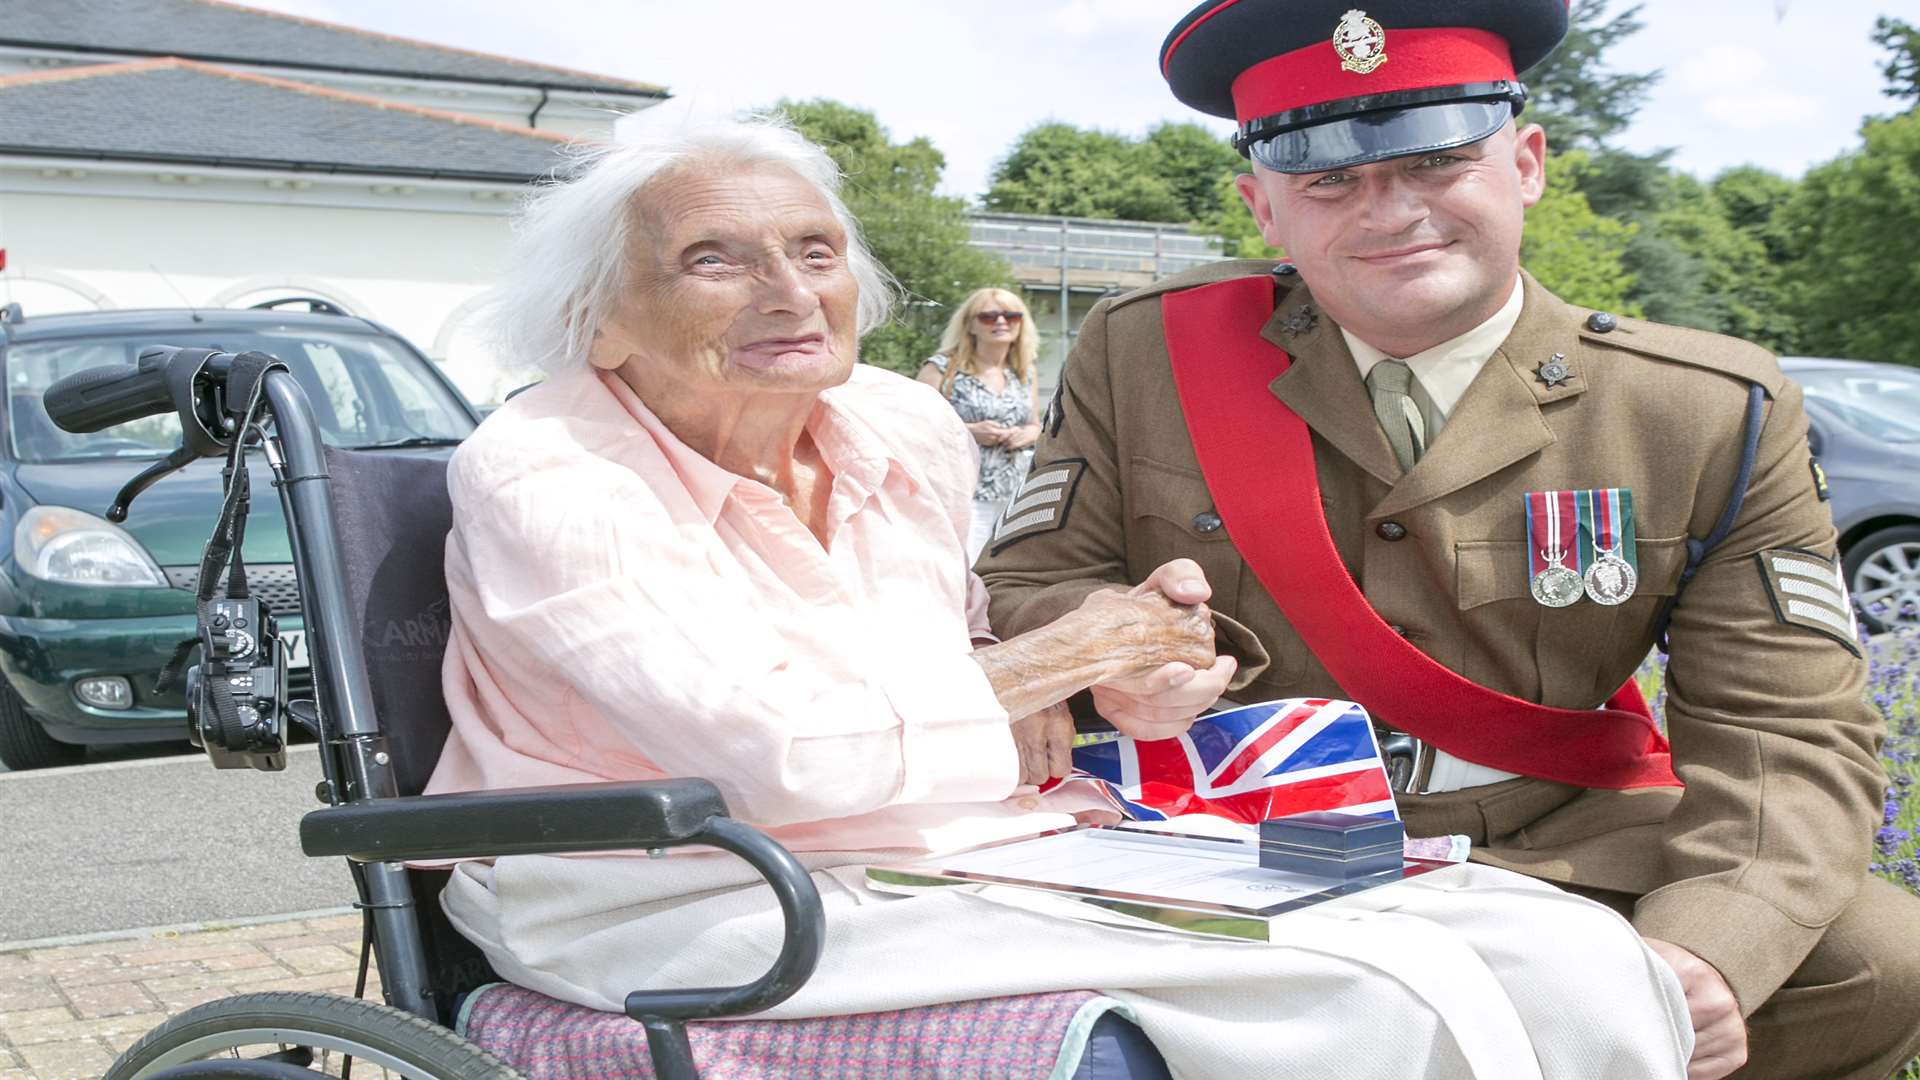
392, 515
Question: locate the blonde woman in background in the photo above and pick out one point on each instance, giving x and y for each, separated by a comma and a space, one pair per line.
986, 371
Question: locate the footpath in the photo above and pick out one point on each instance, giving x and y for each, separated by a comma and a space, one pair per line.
67, 1010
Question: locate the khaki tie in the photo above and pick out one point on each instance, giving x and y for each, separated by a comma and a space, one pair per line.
1392, 385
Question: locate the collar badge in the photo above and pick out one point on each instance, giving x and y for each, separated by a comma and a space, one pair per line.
1361, 43
1554, 372
1300, 320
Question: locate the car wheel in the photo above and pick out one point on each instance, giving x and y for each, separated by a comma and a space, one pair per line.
24, 744
1883, 572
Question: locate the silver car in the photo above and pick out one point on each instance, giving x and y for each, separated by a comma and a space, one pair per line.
1865, 432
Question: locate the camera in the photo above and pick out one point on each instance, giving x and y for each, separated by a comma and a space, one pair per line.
237, 693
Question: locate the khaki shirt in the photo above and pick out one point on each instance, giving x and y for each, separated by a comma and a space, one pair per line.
1770, 731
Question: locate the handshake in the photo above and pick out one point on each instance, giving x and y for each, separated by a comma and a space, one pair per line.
1146, 653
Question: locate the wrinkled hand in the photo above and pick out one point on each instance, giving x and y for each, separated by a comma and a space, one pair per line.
1719, 1035
987, 433
1170, 628
1045, 742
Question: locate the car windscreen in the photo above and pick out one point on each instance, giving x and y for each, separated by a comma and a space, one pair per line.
1881, 402
365, 390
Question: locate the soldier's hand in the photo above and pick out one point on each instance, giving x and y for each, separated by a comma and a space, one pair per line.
1719, 1035
1164, 702
1179, 580
1160, 702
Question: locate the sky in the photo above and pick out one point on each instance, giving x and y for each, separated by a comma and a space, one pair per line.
1779, 83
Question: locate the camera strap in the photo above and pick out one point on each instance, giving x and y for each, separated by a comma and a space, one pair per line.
246, 384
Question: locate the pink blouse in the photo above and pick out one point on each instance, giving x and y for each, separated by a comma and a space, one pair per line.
625, 609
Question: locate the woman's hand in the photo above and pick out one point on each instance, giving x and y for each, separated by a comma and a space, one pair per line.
1161, 702
1045, 742
1141, 629
1021, 437
987, 433
1114, 635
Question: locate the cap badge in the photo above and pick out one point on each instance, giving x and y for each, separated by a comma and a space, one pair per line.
1361, 43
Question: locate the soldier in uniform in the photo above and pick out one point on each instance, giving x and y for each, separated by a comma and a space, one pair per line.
1411, 476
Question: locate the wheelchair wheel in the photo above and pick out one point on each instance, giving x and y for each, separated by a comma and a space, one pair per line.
314, 1031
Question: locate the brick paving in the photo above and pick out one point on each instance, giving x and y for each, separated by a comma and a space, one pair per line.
66, 1011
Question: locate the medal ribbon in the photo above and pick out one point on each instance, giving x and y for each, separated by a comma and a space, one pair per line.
1548, 515
1566, 519
1623, 525
1606, 520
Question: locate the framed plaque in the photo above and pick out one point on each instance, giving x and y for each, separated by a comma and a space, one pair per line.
1199, 884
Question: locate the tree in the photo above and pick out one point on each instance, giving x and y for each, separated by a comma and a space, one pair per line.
1581, 104
920, 236
1172, 174
1079, 172
1740, 286
1902, 69
1198, 166
1572, 250
1856, 288
1232, 223
1752, 198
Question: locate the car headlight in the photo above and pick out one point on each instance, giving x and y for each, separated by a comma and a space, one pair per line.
61, 544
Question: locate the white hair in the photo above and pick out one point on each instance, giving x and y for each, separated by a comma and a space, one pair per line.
566, 270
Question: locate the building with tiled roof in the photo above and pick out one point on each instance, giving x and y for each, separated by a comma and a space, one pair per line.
197, 152
40, 34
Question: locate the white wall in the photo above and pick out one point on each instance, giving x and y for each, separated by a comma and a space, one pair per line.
410, 267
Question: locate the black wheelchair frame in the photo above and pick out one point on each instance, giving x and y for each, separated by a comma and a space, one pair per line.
376, 819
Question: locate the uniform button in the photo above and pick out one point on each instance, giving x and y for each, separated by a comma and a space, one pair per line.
1398, 629
1029, 803
1391, 531
1601, 323
1285, 270
1206, 522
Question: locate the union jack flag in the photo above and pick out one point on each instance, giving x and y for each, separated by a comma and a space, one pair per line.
1249, 764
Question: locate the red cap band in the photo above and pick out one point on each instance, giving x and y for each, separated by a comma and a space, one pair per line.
1416, 60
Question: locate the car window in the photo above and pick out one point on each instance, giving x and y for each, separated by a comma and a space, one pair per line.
365, 390
1882, 404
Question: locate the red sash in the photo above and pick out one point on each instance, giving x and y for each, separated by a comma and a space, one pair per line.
1257, 456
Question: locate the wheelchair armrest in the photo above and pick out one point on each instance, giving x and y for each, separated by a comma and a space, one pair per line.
597, 817
521, 821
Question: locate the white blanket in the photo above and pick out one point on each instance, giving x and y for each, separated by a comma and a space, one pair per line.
1464, 972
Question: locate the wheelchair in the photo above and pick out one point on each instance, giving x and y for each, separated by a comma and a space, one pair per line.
368, 533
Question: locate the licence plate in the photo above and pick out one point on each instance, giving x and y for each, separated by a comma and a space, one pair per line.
295, 643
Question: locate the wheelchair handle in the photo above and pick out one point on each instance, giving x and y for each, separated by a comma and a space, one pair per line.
101, 397
805, 936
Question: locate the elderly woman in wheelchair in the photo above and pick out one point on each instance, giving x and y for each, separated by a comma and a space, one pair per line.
713, 545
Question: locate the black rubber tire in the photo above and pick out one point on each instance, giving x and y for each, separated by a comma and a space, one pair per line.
1856, 556
24, 744
310, 1019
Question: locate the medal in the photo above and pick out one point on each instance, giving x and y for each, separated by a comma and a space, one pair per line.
1549, 514
1606, 518
1556, 586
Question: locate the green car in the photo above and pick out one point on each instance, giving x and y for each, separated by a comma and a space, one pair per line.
91, 612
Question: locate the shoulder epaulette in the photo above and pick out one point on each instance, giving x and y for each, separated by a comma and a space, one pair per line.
1225, 270
1682, 345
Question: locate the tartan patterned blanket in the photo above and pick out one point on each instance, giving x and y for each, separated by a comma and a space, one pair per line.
1006, 1038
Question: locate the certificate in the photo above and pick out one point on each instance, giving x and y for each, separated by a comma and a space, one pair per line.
1202, 884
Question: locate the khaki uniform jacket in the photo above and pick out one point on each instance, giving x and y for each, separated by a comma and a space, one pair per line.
1769, 727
